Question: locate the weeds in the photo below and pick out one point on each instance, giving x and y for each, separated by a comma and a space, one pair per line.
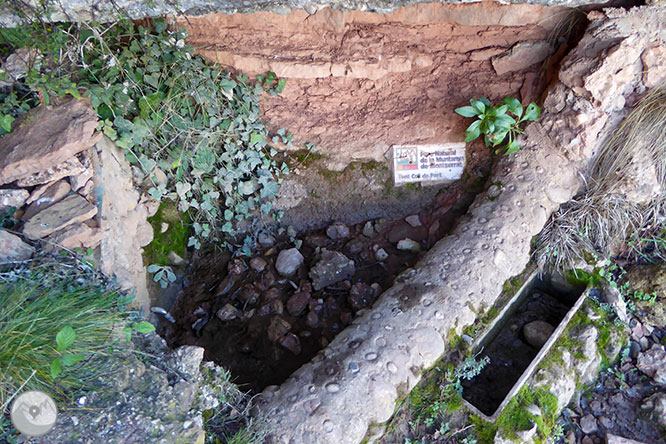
609, 218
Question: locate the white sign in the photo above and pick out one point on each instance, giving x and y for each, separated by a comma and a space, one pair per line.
428, 163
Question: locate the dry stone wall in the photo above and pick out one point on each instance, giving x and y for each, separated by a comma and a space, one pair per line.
356, 380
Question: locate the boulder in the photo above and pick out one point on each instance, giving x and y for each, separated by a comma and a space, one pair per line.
68, 211
333, 267
12, 248
289, 261
47, 137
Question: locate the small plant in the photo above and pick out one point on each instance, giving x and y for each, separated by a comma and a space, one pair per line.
64, 340
495, 122
162, 274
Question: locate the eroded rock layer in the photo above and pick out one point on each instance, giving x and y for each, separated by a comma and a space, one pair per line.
359, 82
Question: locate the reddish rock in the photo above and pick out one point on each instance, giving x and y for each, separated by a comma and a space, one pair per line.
521, 56
258, 264
68, 211
297, 303
56, 172
270, 294
44, 196
77, 235
47, 137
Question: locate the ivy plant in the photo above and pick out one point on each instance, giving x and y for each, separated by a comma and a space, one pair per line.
496, 123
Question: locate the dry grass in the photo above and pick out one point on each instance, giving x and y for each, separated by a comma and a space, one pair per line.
601, 222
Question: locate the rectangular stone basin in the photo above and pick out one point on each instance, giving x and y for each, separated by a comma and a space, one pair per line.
518, 339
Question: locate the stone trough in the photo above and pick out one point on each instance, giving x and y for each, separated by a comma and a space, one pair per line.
356, 381
537, 286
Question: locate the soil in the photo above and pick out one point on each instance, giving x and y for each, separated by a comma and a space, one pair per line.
510, 353
272, 325
359, 82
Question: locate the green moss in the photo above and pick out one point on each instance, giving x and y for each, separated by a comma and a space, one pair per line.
173, 239
454, 403
485, 431
303, 157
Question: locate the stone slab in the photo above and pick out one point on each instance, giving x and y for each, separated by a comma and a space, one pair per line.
70, 210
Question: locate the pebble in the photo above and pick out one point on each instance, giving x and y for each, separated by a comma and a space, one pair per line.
381, 255
292, 343
413, 220
289, 261
265, 239
409, 245
588, 424
368, 229
298, 302
258, 264
337, 231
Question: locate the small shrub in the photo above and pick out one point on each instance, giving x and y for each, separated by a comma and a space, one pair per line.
495, 122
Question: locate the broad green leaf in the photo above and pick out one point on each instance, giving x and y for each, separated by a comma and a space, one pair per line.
484, 100
498, 110
504, 121
56, 368
160, 25
143, 327
467, 111
514, 105
512, 147
478, 105
487, 126
280, 85
153, 268
6, 122
65, 338
498, 136
71, 359
256, 138
532, 112
473, 131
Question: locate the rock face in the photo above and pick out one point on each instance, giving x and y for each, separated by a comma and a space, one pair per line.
404, 72
45, 138
358, 377
123, 220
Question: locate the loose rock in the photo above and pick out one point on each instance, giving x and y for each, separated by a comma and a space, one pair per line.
409, 245
413, 220
337, 231
298, 302
44, 196
588, 424
289, 261
537, 333
278, 328
332, 268
77, 235
258, 264
653, 363
292, 343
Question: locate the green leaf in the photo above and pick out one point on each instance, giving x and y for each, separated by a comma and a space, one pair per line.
160, 25
153, 268
487, 126
143, 327
256, 138
512, 147
127, 331
484, 101
504, 121
280, 85
56, 368
498, 110
473, 131
65, 338
478, 105
70, 360
515, 107
467, 111
6, 122
532, 112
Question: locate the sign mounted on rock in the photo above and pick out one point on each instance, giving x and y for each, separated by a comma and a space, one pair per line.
428, 163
